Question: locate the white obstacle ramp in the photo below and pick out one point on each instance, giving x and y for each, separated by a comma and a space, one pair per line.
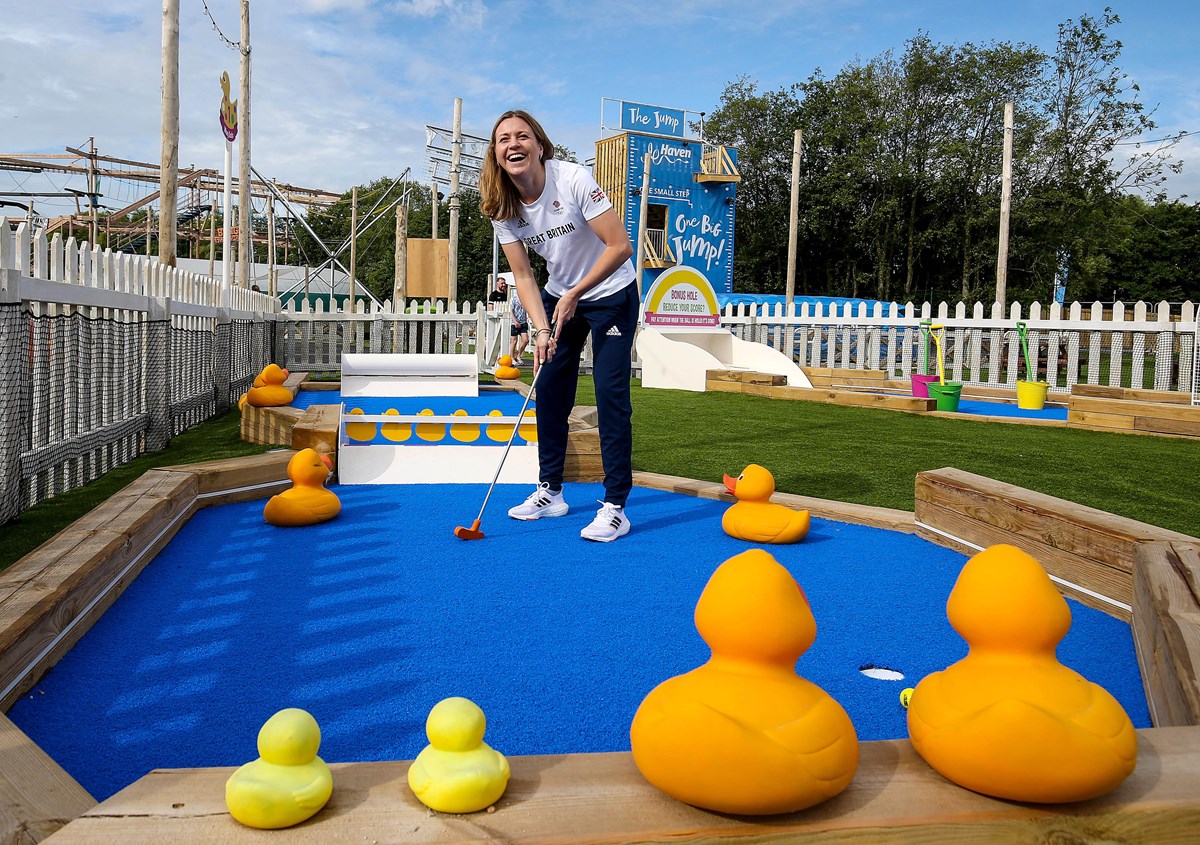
440, 464
406, 374
411, 461
680, 358
681, 337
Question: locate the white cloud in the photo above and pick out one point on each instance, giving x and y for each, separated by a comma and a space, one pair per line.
467, 13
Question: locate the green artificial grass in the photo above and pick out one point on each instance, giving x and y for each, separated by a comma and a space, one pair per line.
872, 457
860, 455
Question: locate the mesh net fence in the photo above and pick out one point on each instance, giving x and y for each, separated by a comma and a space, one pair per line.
84, 394
87, 410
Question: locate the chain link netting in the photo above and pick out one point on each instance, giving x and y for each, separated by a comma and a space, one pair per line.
85, 394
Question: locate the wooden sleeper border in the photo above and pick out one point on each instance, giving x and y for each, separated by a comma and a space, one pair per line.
580, 798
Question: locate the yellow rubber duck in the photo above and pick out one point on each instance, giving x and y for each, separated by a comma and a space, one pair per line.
505, 368
288, 783
268, 390
754, 517
744, 733
1009, 720
307, 502
457, 772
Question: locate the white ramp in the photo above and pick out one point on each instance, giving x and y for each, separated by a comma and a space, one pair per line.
680, 358
423, 419
681, 337
407, 374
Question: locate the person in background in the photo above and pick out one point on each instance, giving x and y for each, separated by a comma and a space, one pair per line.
556, 209
500, 294
519, 331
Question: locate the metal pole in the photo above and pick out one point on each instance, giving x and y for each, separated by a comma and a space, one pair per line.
168, 173
245, 191
212, 236
455, 157
271, 271
92, 179
353, 244
227, 227
495, 260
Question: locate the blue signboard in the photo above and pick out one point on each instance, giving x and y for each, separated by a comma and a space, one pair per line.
653, 120
692, 221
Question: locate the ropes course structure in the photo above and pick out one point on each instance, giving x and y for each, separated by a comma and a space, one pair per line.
123, 221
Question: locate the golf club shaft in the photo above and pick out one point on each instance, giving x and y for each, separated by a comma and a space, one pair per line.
507, 446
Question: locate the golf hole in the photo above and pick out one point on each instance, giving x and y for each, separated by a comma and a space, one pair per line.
881, 673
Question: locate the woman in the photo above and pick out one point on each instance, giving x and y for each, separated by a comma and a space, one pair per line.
557, 209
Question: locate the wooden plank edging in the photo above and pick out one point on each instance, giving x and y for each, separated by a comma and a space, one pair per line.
887, 518
1166, 629
602, 798
37, 797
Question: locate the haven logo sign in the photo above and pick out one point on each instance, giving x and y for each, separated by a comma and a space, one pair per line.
652, 120
682, 297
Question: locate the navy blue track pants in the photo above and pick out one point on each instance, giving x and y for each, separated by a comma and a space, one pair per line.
611, 322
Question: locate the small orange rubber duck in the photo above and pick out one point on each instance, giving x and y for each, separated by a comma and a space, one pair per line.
307, 502
505, 368
754, 517
268, 390
744, 733
1009, 720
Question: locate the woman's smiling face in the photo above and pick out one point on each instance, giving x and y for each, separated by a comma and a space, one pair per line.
517, 148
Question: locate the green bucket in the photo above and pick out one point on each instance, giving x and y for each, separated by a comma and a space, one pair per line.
947, 395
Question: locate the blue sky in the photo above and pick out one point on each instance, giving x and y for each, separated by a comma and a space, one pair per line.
344, 88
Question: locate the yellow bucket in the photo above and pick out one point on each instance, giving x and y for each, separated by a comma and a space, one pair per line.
1031, 395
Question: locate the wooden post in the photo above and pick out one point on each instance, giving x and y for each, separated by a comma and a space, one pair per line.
245, 191
1005, 208
353, 246
400, 280
793, 223
455, 157
168, 173
149, 220
400, 283
640, 252
436, 205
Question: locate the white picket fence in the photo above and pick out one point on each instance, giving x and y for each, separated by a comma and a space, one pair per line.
1143, 346
106, 355
1136, 346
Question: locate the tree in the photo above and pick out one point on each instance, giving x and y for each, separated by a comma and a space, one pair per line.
1091, 111
760, 127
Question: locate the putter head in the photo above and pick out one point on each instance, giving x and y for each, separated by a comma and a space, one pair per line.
472, 533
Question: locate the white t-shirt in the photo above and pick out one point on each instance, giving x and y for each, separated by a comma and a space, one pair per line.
555, 226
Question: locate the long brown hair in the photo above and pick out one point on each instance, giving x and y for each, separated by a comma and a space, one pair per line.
498, 197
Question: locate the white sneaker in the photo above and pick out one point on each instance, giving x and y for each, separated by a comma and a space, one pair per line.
609, 524
541, 502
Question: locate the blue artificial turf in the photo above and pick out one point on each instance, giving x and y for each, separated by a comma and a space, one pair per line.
1009, 409
369, 620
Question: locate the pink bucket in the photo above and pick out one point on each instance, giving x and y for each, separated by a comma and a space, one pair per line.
920, 385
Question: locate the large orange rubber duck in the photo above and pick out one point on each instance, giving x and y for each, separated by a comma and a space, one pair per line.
1009, 720
505, 368
744, 733
268, 390
307, 502
754, 517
